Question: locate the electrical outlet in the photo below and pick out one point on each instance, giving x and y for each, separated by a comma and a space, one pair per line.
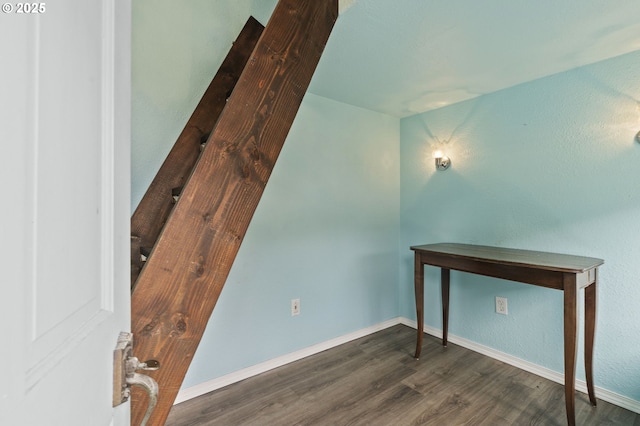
295, 307
501, 305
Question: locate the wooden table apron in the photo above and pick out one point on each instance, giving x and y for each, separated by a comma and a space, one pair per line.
558, 271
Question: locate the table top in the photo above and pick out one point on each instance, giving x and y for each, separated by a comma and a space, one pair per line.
508, 256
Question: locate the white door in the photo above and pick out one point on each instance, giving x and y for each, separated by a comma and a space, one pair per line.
64, 209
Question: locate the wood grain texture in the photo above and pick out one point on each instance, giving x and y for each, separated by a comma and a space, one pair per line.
445, 287
563, 272
376, 381
418, 276
589, 335
531, 267
507, 256
571, 315
154, 208
182, 280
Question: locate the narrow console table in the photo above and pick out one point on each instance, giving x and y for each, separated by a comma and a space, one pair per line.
559, 271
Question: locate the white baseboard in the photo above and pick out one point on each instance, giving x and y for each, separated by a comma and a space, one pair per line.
220, 382
581, 385
245, 373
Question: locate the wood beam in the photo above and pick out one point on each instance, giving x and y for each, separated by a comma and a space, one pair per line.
182, 280
154, 208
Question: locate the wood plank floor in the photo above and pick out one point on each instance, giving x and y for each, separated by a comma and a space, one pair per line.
375, 381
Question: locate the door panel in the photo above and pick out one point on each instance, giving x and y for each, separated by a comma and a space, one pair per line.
65, 99
68, 165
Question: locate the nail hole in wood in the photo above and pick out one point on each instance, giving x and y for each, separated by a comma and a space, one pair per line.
175, 194
203, 141
144, 253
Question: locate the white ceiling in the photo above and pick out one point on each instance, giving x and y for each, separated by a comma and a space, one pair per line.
403, 57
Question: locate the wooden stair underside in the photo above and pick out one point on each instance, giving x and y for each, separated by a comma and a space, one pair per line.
183, 277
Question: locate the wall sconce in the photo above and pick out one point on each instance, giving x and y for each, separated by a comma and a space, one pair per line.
638, 137
442, 162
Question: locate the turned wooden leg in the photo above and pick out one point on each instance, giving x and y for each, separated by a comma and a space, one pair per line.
444, 287
589, 336
570, 344
418, 275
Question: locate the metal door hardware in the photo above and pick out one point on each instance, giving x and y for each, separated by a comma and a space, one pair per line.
125, 376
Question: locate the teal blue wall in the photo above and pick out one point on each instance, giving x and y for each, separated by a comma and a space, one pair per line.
326, 229
547, 165
177, 47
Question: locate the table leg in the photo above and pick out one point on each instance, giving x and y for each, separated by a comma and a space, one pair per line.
570, 344
589, 335
418, 276
444, 287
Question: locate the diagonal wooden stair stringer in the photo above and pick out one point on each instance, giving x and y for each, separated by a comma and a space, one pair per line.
183, 277
153, 210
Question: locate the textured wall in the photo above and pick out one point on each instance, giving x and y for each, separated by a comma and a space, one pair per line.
547, 165
326, 231
177, 48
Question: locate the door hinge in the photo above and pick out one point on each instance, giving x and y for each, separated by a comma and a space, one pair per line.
125, 376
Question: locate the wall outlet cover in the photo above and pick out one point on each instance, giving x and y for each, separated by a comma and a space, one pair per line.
501, 305
295, 307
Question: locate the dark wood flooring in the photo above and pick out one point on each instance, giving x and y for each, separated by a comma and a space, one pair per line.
375, 381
